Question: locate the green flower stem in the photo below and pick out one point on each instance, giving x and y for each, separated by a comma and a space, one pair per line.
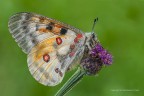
74, 79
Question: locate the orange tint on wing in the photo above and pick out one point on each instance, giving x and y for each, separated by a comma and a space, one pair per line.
44, 47
40, 19
56, 30
43, 30
36, 19
56, 27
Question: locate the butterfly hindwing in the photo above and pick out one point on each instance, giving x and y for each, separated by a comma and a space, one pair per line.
51, 45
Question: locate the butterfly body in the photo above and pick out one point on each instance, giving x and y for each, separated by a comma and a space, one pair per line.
52, 47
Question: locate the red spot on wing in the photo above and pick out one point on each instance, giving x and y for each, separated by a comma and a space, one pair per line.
57, 70
71, 54
76, 40
72, 46
78, 37
60, 73
58, 40
46, 58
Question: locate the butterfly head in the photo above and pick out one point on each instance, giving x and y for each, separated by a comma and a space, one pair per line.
91, 40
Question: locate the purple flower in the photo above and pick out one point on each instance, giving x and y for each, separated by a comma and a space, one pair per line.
93, 61
98, 48
103, 54
91, 66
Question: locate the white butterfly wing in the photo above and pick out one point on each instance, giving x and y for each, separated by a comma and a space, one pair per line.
51, 45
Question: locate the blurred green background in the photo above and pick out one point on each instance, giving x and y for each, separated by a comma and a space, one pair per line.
120, 29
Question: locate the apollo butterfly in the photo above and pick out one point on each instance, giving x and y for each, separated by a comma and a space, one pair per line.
53, 47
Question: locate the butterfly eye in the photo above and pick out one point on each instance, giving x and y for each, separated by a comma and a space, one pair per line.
93, 35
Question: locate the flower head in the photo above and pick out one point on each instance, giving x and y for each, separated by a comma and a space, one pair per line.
95, 59
105, 57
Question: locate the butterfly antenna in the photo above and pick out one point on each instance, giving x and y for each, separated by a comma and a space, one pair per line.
95, 20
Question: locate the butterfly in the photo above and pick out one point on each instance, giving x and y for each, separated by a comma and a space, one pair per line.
52, 47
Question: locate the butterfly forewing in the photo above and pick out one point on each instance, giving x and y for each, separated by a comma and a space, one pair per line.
51, 45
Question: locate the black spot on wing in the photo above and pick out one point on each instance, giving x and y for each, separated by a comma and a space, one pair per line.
37, 27
63, 31
34, 41
24, 27
49, 27
52, 23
